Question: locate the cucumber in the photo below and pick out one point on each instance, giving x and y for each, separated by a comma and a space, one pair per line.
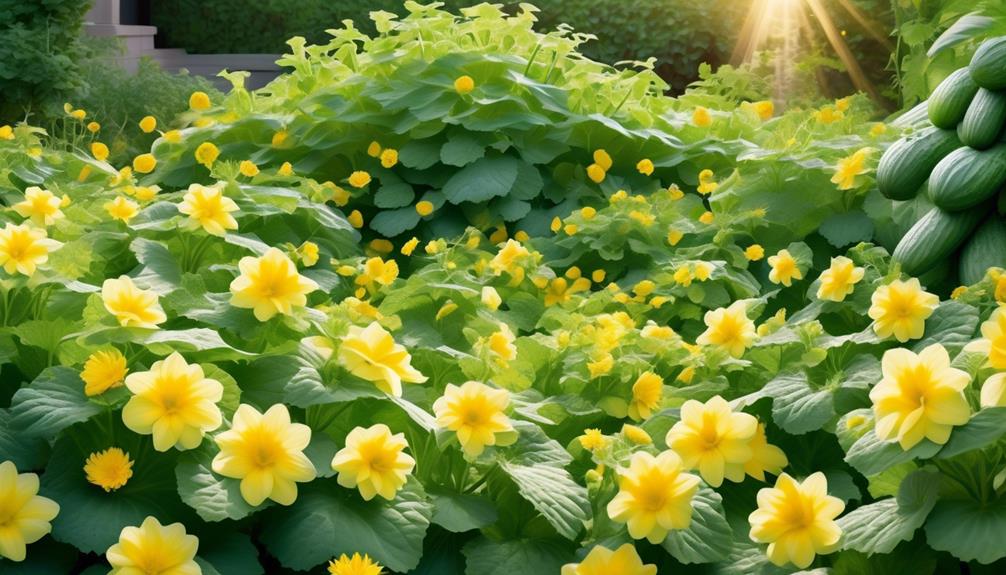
984, 119
988, 65
967, 177
934, 237
950, 100
986, 249
905, 165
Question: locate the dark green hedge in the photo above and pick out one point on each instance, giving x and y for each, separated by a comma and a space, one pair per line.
679, 33
39, 50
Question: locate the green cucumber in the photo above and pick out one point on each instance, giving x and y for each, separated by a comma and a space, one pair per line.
988, 65
984, 119
967, 177
934, 237
986, 249
950, 100
907, 163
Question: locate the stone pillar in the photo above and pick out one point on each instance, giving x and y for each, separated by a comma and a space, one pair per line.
104, 12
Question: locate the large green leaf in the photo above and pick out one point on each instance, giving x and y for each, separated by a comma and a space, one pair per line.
483, 180
879, 527
870, 455
90, 518
985, 427
458, 512
552, 491
708, 538
327, 520
27, 452
968, 529
796, 407
952, 324
213, 497
160, 271
522, 557
51, 403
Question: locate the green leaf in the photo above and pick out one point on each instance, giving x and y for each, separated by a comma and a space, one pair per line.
966, 27
985, 427
328, 520
390, 223
952, 324
552, 491
522, 557
213, 496
796, 407
708, 538
90, 519
51, 403
419, 154
394, 195
461, 149
204, 342
879, 527
842, 229
870, 455
230, 553
460, 512
483, 180
160, 271
967, 529
27, 452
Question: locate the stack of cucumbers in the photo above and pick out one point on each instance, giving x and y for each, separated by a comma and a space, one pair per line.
960, 162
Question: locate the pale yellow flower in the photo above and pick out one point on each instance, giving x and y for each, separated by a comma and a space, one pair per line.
24, 248
714, 439
849, 168
27, 516
266, 452
41, 206
797, 520
103, 370
654, 496
729, 328
122, 209
477, 414
647, 392
132, 306
603, 561
785, 268
153, 548
901, 308
207, 207
371, 353
270, 285
839, 280
374, 462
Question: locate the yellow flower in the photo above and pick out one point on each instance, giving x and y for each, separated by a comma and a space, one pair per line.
707, 218
993, 342
707, 184
636, 435
603, 561
285, 169
476, 412
920, 396
765, 109
24, 248
491, 298
424, 208
377, 270
703, 271
645, 167
828, 115
570, 229
389, 158
797, 520
729, 328
26, 515
674, 236
839, 280
248, 168
654, 496
596, 173
146, 193
464, 85
279, 138
122, 209
850, 167
593, 439
266, 452
359, 179
764, 457
603, 159
410, 246
506, 260
172, 136
308, 253
99, 151
78, 114
785, 269
354, 565
103, 370
144, 163
878, 129
355, 219
207, 153
501, 345
109, 469
131, 306
148, 124
199, 101
371, 353
269, 285
646, 394
374, 462
374, 149
901, 308
6, 132
41, 206
207, 207
701, 117
754, 252
600, 366
154, 549
713, 439
93, 127
174, 402
654, 331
